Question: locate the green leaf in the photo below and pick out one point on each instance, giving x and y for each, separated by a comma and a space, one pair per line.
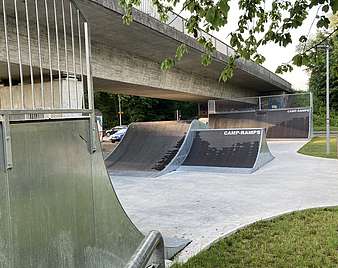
181, 51
334, 6
303, 39
323, 22
167, 64
206, 59
326, 8
298, 60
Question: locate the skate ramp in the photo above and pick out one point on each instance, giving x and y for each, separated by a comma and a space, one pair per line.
58, 206
151, 148
228, 150
286, 123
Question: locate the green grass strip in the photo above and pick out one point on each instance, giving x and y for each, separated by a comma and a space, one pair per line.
306, 238
317, 147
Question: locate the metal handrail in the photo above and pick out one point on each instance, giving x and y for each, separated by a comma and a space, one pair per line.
151, 249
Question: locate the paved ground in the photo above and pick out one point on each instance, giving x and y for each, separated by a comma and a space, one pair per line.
108, 147
205, 206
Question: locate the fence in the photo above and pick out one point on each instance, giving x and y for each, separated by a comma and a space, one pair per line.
46, 47
285, 101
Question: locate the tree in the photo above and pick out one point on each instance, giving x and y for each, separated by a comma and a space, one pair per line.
138, 109
316, 66
260, 22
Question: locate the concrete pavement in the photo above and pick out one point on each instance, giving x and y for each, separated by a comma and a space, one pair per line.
206, 206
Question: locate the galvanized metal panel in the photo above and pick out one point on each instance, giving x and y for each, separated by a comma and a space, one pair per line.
63, 209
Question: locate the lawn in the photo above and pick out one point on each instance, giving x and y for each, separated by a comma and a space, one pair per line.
306, 238
317, 147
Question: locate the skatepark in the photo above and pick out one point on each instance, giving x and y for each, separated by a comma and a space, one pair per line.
169, 189
203, 207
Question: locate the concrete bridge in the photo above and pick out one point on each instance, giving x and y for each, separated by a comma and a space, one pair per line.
126, 59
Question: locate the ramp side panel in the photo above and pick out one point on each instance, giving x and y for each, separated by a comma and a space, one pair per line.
6, 251
64, 212
289, 123
184, 150
148, 147
218, 148
264, 156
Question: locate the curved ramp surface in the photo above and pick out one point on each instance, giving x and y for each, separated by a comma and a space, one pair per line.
288, 123
228, 150
147, 148
58, 206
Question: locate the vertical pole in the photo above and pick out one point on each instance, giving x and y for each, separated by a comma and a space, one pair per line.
327, 101
40, 54
49, 57
58, 53
120, 110
8, 56
92, 121
311, 116
73, 52
80, 52
66, 51
19, 53
30, 55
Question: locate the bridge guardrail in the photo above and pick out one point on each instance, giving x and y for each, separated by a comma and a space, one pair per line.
179, 23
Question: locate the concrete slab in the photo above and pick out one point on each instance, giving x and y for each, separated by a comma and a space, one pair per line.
206, 206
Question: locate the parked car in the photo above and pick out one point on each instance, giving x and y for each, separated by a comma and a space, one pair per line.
114, 130
117, 136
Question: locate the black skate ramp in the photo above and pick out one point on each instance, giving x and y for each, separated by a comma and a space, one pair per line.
280, 124
228, 150
147, 148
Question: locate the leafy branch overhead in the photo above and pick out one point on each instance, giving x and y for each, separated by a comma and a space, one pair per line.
260, 22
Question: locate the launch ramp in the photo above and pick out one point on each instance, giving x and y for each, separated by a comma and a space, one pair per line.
228, 150
151, 148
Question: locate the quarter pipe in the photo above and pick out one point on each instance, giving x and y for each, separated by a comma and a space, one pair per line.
228, 150
151, 148
58, 206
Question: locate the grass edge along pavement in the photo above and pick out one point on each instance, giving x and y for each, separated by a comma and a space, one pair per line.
307, 238
317, 147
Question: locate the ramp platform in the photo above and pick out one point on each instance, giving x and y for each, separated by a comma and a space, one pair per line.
151, 148
227, 150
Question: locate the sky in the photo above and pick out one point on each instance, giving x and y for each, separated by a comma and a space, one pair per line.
274, 54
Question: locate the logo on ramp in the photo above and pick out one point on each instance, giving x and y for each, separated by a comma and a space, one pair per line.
242, 132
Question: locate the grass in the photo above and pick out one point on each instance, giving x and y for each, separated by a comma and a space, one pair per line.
317, 147
306, 238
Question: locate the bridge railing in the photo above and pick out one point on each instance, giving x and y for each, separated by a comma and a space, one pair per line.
177, 22
46, 50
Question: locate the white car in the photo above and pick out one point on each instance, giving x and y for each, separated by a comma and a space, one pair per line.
117, 136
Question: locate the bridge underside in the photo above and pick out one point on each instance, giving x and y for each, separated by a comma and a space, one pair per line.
126, 59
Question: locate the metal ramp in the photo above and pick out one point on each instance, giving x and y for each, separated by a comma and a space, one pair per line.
151, 148
227, 150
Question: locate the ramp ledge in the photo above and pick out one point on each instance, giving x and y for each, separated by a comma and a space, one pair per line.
152, 246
